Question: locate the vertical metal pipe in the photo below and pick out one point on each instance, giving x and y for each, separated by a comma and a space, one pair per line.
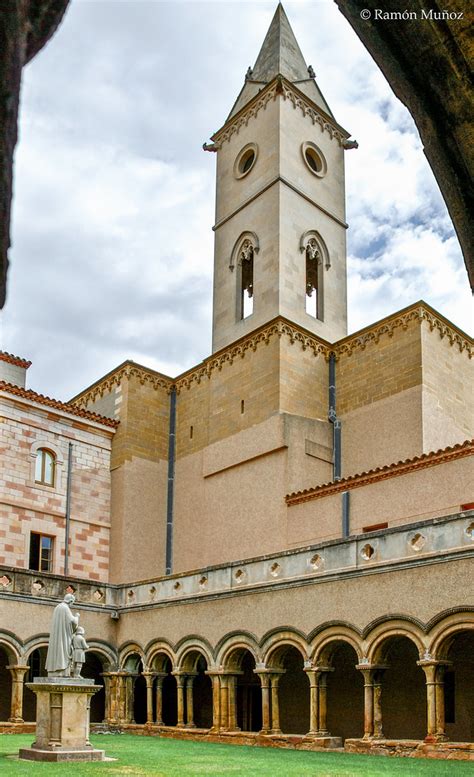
332, 416
171, 457
345, 514
68, 509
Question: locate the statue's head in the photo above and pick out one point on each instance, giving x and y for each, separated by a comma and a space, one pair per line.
80, 630
69, 598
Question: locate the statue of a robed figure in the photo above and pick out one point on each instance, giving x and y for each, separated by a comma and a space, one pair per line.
63, 697
64, 624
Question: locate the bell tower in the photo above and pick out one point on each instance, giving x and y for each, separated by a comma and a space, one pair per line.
280, 231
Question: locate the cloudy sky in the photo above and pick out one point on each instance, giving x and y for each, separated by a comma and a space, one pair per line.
114, 198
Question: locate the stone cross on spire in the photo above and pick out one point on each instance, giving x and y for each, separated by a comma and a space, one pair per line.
280, 55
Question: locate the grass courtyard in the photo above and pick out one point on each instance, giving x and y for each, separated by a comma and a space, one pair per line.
143, 756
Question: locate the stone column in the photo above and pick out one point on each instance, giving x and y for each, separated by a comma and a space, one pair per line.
368, 700
180, 681
373, 674
216, 700
190, 701
274, 681
160, 676
17, 672
434, 674
266, 717
323, 698
112, 682
149, 677
232, 684
224, 702
129, 688
440, 711
121, 705
313, 677
377, 682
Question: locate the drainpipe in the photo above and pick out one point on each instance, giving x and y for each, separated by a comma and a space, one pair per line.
171, 455
346, 524
332, 416
68, 509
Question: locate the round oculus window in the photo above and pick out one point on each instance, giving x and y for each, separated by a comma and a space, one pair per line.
245, 160
314, 159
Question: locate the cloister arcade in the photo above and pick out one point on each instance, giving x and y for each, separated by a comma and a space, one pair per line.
396, 682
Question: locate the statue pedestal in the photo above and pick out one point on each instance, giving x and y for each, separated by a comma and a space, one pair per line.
62, 720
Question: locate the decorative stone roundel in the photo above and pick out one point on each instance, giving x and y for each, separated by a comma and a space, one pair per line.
314, 158
470, 531
315, 562
275, 569
367, 552
417, 542
246, 159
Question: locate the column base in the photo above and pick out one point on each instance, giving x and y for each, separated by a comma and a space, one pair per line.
56, 756
433, 738
16, 720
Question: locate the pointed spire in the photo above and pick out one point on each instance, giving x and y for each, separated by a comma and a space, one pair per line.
280, 55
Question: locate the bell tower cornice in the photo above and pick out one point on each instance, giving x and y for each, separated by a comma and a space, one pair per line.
280, 87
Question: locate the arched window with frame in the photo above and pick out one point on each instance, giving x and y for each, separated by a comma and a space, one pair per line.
316, 259
242, 257
45, 467
246, 256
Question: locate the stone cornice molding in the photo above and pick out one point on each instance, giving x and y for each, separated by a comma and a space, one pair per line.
280, 87
401, 320
279, 327
383, 473
123, 372
16, 360
55, 404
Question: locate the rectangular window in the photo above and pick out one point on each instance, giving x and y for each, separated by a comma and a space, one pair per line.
41, 552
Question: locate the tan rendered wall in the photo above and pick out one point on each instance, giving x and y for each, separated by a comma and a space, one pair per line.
448, 378
379, 369
139, 490
382, 432
426, 493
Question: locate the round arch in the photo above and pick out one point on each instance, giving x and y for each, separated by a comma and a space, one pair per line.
379, 638
231, 651
327, 641
445, 632
12, 648
192, 646
275, 645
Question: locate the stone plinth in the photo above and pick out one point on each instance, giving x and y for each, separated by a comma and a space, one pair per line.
62, 720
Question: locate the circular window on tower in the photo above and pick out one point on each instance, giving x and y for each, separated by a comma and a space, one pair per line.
245, 160
314, 158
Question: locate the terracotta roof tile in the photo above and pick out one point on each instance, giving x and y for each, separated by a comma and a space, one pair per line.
460, 450
16, 360
57, 405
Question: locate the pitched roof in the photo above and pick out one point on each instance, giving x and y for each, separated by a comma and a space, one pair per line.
56, 404
280, 55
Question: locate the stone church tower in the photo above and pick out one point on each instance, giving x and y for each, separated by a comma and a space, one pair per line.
279, 540
280, 232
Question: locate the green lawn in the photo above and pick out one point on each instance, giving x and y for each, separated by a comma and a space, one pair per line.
141, 756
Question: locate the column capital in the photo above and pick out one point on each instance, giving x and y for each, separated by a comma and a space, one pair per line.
17, 667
